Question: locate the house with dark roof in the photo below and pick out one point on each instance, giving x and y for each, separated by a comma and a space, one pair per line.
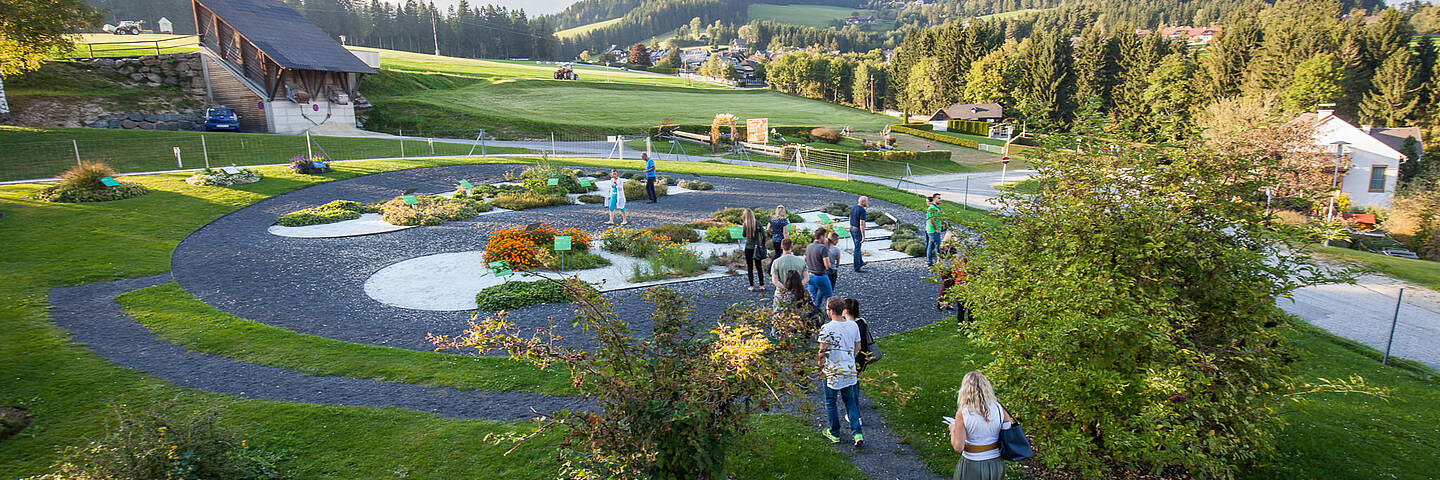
1374, 155
976, 112
280, 72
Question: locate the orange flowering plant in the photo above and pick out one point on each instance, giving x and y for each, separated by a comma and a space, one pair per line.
524, 248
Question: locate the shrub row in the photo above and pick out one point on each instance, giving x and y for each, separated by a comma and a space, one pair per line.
964, 142
969, 126
887, 156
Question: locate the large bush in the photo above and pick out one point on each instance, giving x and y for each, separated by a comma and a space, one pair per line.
1131, 307
336, 211
432, 210
528, 200
635, 190
161, 443
521, 294
826, 134
81, 183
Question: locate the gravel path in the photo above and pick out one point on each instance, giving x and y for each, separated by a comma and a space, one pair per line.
91, 314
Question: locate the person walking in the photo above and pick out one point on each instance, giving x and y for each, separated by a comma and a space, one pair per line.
649, 176
778, 231
781, 268
857, 230
832, 250
817, 262
839, 341
975, 432
754, 250
616, 200
932, 229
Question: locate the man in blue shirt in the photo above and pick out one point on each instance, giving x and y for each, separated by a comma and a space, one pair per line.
649, 176
857, 230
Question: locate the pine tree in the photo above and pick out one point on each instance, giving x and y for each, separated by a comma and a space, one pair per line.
1321, 79
1138, 57
1359, 70
1044, 74
1425, 62
1095, 66
1391, 34
1393, 97
1170, 96
1229, 57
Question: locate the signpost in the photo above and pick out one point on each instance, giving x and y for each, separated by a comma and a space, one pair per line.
109, 182
1004, 164
178, 163
562, 245
757, 130
737, 233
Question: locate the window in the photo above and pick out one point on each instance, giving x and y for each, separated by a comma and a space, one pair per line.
1377, 178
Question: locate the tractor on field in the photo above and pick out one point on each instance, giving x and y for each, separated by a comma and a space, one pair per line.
126, 27
566, 71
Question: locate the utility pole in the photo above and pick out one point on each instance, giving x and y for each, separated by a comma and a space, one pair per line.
434, 34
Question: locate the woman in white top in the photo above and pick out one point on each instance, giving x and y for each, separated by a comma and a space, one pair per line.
976, 430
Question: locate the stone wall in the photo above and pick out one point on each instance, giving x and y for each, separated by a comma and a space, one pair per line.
184, 119
179, 69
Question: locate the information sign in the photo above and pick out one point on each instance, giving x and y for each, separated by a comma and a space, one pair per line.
737, 233
410, 199
109, 182
562, 243
466, 184
842, 232
500, 269
757, 130
552, 182
585, 182
319, 164
230, 170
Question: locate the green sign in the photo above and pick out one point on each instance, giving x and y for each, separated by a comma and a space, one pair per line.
562, 243
824, 218
500, 269
585, 182
842, 232
737, 233
410, 199
466, 184
109, 182
552, 182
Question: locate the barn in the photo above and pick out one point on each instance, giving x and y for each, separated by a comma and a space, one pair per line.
280, 73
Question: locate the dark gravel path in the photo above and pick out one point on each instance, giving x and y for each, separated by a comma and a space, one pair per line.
91, 314
315, 286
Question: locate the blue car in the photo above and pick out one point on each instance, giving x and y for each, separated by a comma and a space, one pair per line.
221, 119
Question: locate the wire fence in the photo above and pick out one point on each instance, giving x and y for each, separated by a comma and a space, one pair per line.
135, 48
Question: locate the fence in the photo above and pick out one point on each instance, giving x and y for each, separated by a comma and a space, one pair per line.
136, 151
135, 48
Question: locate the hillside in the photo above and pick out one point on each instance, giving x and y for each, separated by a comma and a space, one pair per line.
807, 15
586, 28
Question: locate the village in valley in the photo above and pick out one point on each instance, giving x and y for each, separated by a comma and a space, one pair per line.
738, 239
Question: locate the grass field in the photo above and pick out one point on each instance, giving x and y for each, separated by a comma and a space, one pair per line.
502, 70
809, 15
934, 358
577, 31
1424, 273
108, 45
45, 152
70, 390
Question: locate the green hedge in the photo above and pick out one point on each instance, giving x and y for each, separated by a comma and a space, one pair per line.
915, 126
964, 142
970, 127
788, 151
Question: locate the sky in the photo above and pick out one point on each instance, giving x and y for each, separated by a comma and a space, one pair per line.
531, 7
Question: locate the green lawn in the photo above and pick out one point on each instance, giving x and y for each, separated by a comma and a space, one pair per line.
934, 358
45, 152
1424, 273
577, 31
878, 168
533, 108
70, 390
808, 15
110, 45
504, 70
1027, 186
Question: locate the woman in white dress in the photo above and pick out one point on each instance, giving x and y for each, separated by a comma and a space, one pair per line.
616, 200
975, 433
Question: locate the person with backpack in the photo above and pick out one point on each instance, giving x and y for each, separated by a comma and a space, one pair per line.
869, 352
839, 341
778, 226
754, 250
975, 430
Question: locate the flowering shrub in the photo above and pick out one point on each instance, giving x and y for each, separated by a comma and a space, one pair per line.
525, 248
670, 261
632, 242
432, 210
219, 178
306, 165
81, 183
719, 234
336, 211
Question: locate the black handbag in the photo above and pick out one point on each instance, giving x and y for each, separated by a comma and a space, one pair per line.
869, 351
759, 244
1013, 444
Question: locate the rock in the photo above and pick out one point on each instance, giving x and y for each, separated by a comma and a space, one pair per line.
115, 124
150, 61
98, 124
187, 125
107, 70
197, 82
135, 117
151, 118
129, 124
147, 126
137, 77
165, 126
154, 77
172, 81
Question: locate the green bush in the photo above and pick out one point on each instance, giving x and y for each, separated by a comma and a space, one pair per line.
802, 237
536, 180
793, 217
528, 200
164, 442
635, 190
220, 178
912, 247
671, 262
336, 211
837, 209
719, 234
942, 138
520, 294
695, 185
676, 233
970, 127
491, 191
587, 198
575, 260
81, 183
668, 180
432, 210
827, 135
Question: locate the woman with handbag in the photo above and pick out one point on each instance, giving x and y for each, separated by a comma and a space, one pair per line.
976, 429
755, 253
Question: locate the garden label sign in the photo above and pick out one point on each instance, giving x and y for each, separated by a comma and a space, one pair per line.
410, 200
319, 164
824, 218
466, 184
737, 233
562, 243
552, 182
842, 232
231, 170
585, 182
500, 269
109, 182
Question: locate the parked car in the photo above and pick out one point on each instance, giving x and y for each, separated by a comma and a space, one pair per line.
221, 119
1398, 252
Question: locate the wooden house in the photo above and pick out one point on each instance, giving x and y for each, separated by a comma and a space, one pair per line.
280, 72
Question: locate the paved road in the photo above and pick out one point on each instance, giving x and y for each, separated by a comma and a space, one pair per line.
1363, 312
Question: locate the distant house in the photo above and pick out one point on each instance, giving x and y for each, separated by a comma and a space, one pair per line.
1191, 35
975, 112
165, 25
1375, 156
739, 44
859, 19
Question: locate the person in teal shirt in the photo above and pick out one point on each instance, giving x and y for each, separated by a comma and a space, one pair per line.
932, 228
649, 176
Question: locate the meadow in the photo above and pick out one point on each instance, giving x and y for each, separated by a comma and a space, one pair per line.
808, 15
582, 29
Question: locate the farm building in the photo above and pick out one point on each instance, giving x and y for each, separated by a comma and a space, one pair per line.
280, 72
977, 112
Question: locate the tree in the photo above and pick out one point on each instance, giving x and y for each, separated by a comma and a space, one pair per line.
1321, 79
1095, 66
922, 90
672, 58
30, 31
717, 67
1228, 58
1043, 74
639, 55
750, 33
989, 79
1131, 307
1394, 96
1171, 95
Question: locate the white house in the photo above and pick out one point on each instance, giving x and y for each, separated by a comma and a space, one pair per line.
1374, 156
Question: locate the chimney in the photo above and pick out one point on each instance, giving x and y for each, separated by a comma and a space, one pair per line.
1365, 128
1325, 110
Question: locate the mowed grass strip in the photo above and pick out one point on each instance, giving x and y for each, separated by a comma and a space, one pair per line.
1424, 273
934, 358
179, 318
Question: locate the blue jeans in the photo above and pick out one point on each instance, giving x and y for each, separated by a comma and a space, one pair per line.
820, 290
932, 247
851, 396
859, 238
